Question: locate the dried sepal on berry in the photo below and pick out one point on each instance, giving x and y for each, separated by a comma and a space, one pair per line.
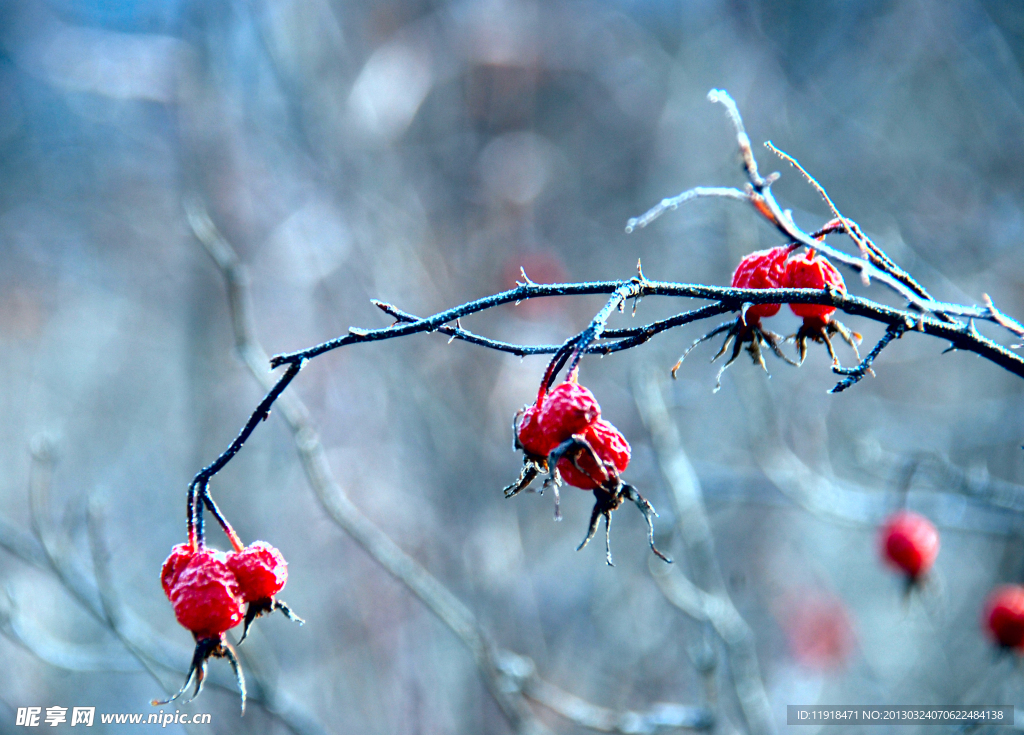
562, 436
207, 648
607, 444
262, 572
760, 269
811, 270
206, 599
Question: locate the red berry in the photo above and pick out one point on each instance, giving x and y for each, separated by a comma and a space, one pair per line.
531, 436
173, 564
205, 595
812, 271
761, 269
260, 569
609, 444
568, 409
910, 543
1004, 615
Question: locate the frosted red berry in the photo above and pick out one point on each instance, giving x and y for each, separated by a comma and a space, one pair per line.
530, 435
1004, 615
761, 269
173, 564
205, 595
260, 569
811, 270
910, 543
610, 446
566, 410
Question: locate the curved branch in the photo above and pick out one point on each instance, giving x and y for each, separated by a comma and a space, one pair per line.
934, 321
509, 677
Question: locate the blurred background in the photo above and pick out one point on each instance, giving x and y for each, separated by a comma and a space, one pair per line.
420, 153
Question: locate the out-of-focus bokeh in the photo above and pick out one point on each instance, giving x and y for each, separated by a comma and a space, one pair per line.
420, 153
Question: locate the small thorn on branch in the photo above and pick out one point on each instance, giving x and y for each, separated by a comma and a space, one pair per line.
455, 332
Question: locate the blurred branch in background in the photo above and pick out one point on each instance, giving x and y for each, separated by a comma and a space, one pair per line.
853, 502
511, 678
704, 598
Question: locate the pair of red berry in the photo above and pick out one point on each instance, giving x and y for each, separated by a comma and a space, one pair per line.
563, 435
778, 268
775, 268
568, 411
212, 592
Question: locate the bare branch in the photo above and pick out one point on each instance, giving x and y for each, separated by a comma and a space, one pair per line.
62, 654
735, 634
895, 331
506, 682
671, 203
712, 605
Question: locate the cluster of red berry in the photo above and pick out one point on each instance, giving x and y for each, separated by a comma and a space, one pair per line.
212, 592
563, 435
779, 268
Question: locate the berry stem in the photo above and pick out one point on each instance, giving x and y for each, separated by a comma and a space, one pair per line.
236, 542
195, 519
558, 360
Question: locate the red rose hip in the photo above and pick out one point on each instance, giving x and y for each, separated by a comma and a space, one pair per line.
205, 595
173, 564
530, 436
761, 269
260, 569
563, 436
610, 446
568, 409
261, 572
811, 270
1004, 615
910, 543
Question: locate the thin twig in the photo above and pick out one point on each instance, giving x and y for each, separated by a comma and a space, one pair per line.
854, 374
